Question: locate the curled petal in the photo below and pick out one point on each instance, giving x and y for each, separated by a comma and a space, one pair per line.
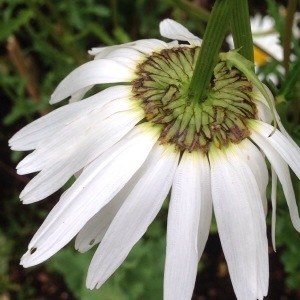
175, 31
93, 72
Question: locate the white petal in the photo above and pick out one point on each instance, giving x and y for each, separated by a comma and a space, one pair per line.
42, 129
87, 127
273, 199
175, 31
284, 132
95, 187
289, 151
205, 205
80, 94
61, 159
257, 164
135, 215
264, 111
82, 132
126, 56
95, 229
241, 222
282, 171
185, 210
90, 73
146, 46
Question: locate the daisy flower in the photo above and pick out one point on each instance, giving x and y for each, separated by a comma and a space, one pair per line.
144, 137
266, 39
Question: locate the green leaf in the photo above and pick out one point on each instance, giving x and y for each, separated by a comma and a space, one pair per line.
290, 82
13, 25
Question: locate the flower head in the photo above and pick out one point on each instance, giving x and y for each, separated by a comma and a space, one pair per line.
132, 143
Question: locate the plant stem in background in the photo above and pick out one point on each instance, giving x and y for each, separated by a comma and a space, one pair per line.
288, 29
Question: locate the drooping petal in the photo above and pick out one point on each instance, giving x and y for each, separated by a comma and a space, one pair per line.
61, 160
86, 129
90, 73
99, 182
241, 222
205, 205
281, 169
264, 111
95, 229
50, 125
273, 200
284, 132
290, 152
175, 31
135, 215
255, 161
257, 164
186, 207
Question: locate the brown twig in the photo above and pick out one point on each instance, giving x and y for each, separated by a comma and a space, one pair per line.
25, 70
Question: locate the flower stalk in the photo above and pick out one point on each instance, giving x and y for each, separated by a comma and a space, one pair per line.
208, 56
241, 29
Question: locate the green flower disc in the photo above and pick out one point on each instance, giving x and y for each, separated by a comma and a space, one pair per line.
163, 89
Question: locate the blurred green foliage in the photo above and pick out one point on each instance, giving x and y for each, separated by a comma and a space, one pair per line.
139, 277
41, 42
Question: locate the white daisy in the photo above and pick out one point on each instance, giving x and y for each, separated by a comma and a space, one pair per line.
267, 38
132, 143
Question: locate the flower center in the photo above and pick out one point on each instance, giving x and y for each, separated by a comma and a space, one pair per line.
163, 86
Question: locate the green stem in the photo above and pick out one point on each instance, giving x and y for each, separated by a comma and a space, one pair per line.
291, 8
208, 56
241, 29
